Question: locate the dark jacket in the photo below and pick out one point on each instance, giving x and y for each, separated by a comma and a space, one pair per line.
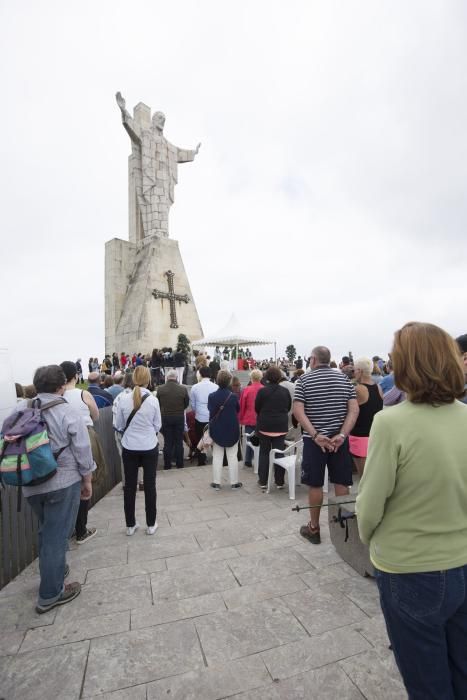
173, 399
223, 422
179, 359
272, 406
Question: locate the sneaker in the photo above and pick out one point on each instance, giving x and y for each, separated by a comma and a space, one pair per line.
215, 486
67, 571
247, 464
279, 486
131, 530
311, 534
262, 486
70, 591
238, 485
88, 535
150, 530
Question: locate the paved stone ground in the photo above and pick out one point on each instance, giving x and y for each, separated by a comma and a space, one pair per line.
225, 601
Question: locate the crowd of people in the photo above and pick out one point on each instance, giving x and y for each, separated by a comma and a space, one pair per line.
411, 460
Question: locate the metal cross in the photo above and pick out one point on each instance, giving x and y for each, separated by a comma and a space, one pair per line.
172, 297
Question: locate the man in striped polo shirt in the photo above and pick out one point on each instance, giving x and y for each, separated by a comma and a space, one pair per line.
325, 405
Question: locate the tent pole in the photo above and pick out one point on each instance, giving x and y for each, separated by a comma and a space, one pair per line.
275, 351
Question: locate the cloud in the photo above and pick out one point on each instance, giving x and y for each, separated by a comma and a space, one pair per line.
327, 203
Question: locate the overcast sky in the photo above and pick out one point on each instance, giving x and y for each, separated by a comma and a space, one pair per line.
327, 204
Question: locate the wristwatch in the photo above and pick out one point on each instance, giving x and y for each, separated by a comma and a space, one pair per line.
344, 437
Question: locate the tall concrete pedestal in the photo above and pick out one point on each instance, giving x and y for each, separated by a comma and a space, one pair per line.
148, 300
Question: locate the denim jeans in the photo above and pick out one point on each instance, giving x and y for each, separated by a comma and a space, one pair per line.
56, 511
426, 619
172, 430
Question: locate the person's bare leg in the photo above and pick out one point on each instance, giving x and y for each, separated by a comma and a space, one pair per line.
340, 490
315, 498
360, 464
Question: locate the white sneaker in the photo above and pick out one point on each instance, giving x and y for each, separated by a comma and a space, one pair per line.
151, 530
131, 530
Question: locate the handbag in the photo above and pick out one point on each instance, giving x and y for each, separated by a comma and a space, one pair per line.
254, 439
206, 440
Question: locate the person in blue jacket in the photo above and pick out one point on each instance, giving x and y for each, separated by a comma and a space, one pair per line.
224, 430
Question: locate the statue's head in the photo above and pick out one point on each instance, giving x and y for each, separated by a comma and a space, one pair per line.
158, 120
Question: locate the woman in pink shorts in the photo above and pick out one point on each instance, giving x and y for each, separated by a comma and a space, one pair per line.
370, 401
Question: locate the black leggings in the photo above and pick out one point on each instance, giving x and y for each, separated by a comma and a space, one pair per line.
267, 443
132, 460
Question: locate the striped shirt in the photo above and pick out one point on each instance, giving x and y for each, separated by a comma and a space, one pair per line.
325, 394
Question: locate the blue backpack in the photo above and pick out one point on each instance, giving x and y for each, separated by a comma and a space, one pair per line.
26, 458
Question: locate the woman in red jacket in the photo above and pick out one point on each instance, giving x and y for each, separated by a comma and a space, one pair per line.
247, 409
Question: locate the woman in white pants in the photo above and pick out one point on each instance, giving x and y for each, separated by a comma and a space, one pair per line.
224, 429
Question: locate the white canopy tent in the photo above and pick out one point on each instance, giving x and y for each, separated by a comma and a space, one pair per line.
232, 336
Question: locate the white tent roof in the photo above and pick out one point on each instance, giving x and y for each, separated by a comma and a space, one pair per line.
231, 334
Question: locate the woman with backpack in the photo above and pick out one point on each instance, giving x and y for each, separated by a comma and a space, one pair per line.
139, 420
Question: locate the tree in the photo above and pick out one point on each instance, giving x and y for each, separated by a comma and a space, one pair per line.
183, 344
291, 352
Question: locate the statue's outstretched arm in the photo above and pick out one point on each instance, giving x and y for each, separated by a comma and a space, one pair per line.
128, 121
184, 155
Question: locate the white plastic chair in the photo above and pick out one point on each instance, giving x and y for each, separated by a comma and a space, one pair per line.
246, 444
290, 459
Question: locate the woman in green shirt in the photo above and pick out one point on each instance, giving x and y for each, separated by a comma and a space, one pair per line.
412, 511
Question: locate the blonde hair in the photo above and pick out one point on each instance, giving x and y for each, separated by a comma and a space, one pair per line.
256, 375
427, 365
141, 378
364, 364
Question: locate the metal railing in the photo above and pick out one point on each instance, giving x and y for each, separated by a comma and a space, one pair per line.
18, 531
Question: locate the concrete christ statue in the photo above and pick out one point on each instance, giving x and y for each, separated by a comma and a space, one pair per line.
152, 171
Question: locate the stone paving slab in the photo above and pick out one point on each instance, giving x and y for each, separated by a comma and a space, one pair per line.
270, 588
111, 573
38, 674
160, 547
267, 544
212, 683
267, 565
247, 630
320, 611
222, 599
310, 653
75, 631
136, 692
362, 592
140, 656
191, 581
106, 597
160, 613
18, 613
196, 516
200, 558
10, 642
376, 677
326, 683
237, 533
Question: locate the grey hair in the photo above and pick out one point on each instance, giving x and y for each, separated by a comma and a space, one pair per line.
172, 374
322, 354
